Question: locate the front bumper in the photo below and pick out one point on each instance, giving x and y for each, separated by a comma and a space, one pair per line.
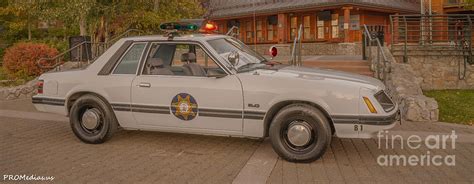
380, 120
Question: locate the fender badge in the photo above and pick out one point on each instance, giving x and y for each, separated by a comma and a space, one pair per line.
184, 106
254, 105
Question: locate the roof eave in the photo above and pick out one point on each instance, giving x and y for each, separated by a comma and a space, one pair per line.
329, 6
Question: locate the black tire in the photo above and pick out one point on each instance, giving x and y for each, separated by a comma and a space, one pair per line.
106, 127
316, 122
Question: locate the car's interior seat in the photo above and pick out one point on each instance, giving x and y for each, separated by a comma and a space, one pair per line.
191, 66
155, 66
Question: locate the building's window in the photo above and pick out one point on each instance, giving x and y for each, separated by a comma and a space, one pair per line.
341, 26
293, 27
320, 25
259, 30
307, 28
335, 26
238, 32
270, 32
248, 32
355, 20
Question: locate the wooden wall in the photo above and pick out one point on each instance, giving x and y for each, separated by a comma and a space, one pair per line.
250, 26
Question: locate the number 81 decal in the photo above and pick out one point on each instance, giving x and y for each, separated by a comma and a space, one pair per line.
358, 128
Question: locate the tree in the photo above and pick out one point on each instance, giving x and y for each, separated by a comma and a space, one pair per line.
99, 18
26, 13
469, 4
73, 13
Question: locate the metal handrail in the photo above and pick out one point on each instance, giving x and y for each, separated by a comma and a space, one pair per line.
107, 44
296, 49
57, 57
380, 73
115, 38
449, 33
231, 31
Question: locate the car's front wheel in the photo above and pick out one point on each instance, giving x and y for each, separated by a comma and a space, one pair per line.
92, 120
300, 133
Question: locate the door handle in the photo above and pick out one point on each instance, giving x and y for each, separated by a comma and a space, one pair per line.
144, 85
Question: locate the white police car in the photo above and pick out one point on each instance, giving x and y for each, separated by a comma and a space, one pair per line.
215, 85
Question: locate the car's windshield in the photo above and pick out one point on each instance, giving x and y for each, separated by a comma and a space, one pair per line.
249, 59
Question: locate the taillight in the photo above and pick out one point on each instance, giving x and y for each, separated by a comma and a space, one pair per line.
39, 86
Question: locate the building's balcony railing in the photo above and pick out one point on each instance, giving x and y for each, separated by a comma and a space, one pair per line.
457, 3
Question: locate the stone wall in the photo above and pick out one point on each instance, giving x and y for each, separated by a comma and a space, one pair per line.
312, 49
17, 92
28, 89
404, 85
441, 71
405, 88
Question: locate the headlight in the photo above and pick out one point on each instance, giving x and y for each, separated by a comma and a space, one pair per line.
385, 101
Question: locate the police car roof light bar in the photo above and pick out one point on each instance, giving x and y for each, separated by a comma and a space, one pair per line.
172, 29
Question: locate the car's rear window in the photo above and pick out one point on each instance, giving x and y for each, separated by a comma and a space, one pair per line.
129, 62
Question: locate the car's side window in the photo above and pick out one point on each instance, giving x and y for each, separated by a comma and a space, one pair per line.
129, 62
209, 65
181, 60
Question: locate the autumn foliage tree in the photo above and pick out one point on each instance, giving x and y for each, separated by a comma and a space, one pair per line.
20, 60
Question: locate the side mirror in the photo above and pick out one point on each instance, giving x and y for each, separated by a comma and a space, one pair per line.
273, 51
234, 58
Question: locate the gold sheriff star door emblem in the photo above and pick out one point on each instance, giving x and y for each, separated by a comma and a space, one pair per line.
184, 106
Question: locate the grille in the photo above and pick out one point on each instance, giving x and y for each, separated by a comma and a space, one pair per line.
385, 101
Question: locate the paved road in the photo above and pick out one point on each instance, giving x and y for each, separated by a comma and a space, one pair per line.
40, 144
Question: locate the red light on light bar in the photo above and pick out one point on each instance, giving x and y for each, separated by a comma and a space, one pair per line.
210, 27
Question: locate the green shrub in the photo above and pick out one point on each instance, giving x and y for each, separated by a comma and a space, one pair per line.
3, 75
20, 60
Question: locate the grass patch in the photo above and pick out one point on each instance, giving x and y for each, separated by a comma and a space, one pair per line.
455, 106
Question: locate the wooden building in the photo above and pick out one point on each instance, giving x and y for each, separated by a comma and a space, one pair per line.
451, 7
330, 21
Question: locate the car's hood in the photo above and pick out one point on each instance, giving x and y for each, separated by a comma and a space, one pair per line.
319, 73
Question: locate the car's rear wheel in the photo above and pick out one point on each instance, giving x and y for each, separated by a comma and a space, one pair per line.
300, 133
92, 120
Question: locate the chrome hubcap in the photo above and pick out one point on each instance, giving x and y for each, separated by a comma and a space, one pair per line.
91, 119
299, 133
